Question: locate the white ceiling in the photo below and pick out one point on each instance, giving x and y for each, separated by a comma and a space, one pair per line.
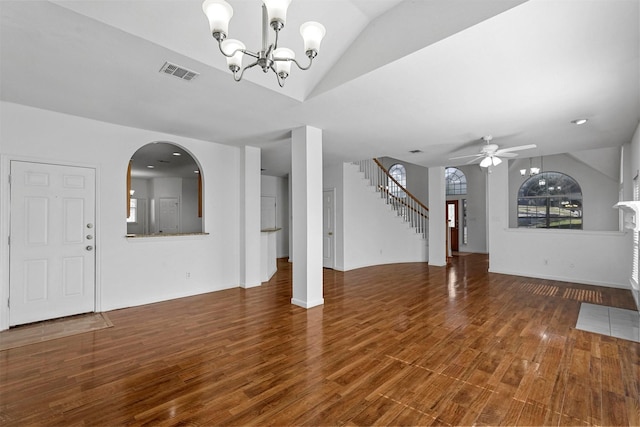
391, 76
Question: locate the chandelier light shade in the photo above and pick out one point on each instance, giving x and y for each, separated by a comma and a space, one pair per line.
234, 49
270, 57
312, 34
277, 12
283, 68
219, 13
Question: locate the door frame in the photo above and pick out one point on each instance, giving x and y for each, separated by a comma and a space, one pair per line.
456, 203
333, 249
5, 227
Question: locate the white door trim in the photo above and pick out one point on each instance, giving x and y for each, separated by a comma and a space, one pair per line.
333, 240
5, 209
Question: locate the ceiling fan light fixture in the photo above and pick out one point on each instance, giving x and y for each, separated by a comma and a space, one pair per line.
496, 160
486, 162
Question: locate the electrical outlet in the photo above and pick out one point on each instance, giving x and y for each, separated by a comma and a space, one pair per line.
188, 275
545, 261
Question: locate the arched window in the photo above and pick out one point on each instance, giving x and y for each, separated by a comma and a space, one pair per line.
550, 200
456, 181
399, 173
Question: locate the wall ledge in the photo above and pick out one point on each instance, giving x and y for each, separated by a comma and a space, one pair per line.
630, 209
163, 236
557, 232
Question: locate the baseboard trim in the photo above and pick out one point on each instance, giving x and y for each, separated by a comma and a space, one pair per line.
307, 304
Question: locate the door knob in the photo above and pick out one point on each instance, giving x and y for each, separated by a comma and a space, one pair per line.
89, 248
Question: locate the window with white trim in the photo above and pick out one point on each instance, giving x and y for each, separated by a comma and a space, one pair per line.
550, 200
636, 238
456, 181
133, 209
399, 174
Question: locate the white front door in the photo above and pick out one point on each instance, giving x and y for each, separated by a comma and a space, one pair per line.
328, 229
52, 242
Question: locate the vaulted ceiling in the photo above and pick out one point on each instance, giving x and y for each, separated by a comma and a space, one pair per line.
392, 75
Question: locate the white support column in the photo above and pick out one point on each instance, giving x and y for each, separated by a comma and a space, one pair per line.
437, 206
497, 206
250, 222
306, 191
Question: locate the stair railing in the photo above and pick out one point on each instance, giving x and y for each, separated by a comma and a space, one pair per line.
408, 206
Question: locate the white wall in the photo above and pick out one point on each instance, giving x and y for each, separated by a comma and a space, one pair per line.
279, 188
634, 161
129, 271
189, 220
590, 257
372, 233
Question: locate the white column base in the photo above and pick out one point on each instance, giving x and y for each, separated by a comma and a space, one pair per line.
307, 304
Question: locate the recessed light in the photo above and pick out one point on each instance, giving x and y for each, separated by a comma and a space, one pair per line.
175, 153
150, 166
579, 121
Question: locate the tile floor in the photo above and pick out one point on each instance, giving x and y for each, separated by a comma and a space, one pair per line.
615, 322
52, 329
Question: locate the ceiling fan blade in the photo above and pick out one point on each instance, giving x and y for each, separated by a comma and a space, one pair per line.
507, 155
474, 160
465, 157
469, 143
518, 148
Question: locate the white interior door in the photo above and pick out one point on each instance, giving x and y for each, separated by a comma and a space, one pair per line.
52, 245
328, 229
168, 215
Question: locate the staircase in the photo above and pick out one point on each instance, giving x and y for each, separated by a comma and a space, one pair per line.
405, 204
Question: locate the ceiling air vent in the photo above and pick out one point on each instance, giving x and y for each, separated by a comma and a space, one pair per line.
178, 71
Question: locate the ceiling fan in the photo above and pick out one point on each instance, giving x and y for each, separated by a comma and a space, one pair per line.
491, 153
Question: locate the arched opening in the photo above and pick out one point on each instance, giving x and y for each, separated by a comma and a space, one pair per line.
164, 191
550, 200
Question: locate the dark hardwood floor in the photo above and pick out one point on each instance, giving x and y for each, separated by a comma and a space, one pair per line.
403, 344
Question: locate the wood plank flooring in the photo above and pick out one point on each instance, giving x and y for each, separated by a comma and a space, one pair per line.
405, 344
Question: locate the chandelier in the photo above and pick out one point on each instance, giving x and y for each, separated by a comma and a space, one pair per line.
270, 57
